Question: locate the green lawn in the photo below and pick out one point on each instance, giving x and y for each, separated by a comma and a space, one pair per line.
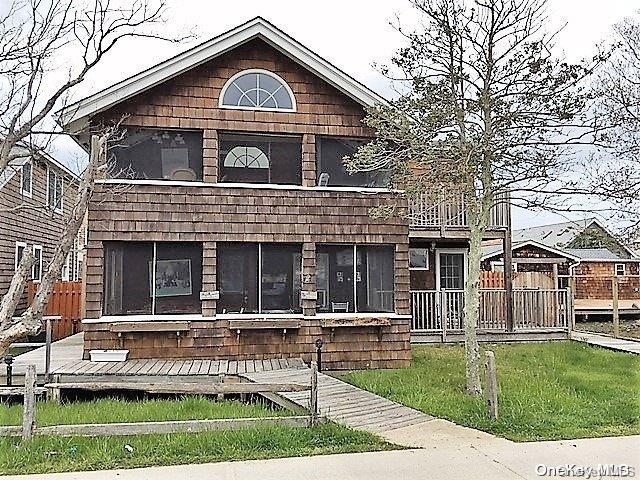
555, 390
58, 454
113, 411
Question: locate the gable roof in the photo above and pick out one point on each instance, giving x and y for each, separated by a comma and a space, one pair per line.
73, 117
559, 235
15, 165
493, 249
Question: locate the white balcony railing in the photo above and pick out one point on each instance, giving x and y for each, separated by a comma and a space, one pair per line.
438, 311
449, 211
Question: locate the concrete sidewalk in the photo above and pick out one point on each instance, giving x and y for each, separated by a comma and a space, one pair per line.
449, 453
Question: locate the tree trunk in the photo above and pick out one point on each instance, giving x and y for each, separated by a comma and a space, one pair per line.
478, 223
30, 322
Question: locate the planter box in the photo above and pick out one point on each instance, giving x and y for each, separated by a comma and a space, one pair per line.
108, 355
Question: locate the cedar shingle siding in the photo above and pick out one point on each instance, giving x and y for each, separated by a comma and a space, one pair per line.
213, 213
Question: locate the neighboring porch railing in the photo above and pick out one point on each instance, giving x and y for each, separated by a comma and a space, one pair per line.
449, 210
438, 311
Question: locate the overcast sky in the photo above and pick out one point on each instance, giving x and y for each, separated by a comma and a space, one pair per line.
352, 34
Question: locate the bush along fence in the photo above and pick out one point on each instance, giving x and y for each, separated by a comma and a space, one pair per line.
53, 390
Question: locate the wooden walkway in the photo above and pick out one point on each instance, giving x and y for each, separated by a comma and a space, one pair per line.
173, 368
344, 403
604, 341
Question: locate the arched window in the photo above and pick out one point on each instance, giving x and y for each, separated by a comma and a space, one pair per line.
257, 90
248, 157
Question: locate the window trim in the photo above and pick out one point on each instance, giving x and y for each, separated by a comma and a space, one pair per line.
624, 269
463, 251
55, 200
259, 109
428, 267
15, 255
26, 193
33, 268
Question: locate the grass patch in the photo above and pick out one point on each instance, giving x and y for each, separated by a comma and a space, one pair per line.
57, 454
554, 390
114, 411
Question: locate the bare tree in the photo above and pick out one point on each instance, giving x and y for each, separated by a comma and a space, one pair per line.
615, 176
36, 38
486, 110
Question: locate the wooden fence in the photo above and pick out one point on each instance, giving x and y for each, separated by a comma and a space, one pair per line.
65, 302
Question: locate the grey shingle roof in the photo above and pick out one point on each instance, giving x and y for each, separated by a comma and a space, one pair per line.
593, 253
556, 235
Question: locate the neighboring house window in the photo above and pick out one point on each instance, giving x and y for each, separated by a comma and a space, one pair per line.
620, 269
152, 278
332, 171
20, 247
151, 154
257, 90
355, 278
26, 179
67, 268
36, 269
55, 191
264, 278
260, 159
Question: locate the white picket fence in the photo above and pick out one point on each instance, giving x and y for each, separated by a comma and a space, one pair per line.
435, 311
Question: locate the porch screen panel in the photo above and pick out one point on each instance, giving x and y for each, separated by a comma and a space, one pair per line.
281, 271
334, 278
178, 279
260, 159
330, 155
374, 279
158, 155
237, 277
127, 272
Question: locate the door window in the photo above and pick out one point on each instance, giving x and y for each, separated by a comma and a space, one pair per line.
452, 271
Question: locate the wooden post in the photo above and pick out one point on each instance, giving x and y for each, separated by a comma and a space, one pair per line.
29, 411
492, 385
508, 272
47, 351
572, 297
616, 312
53, 393
313, 401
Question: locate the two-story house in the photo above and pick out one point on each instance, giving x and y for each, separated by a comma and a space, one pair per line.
36, 192
229, 228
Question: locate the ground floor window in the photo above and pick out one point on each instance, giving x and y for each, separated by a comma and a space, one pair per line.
452, 270
152, 278
354, 278
259, 278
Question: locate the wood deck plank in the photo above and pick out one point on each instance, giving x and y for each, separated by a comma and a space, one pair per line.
195, 367
204, 367
224, 367
214, 368
186, 366
176, 367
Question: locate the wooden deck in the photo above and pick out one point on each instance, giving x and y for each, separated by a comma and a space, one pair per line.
604, 341
344, 403
174, 368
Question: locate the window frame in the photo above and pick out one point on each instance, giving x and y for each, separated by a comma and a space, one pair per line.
428, 262
22, 245
465, 266
279, 79
57, 177
26, 193
354, 256
624, 269
297, 310
35, 264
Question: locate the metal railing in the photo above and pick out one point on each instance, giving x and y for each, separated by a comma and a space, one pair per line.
438, 311
449, 211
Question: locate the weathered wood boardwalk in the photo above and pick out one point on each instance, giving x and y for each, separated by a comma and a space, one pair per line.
175, 368
344, 403
604, 341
